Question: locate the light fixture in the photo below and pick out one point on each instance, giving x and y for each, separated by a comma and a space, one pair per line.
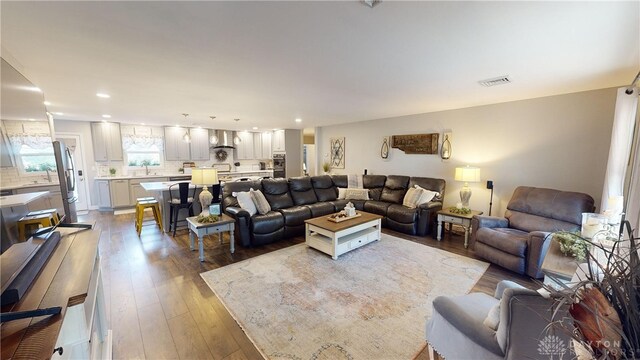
141, 123
47, 103
186, 137
213, 139
106, 116
445, 150
371, 3
467, 174
30, 119
255, 128
298, 120
103, 95
204, 177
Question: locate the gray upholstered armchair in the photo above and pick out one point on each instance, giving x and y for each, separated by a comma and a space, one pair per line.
519, 241
510, 325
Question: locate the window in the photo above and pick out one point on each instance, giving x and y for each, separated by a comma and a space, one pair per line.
139, 155
37, 159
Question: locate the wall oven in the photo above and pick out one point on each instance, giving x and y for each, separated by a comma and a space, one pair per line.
279, 166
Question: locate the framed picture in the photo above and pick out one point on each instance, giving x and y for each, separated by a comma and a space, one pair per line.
337, 153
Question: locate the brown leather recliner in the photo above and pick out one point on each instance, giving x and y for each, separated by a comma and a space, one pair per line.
519, 241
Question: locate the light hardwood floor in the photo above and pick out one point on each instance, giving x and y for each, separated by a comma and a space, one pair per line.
160, 308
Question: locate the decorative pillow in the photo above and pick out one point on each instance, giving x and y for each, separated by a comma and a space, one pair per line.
411, 197
262, 205
341, 193
493, 318
427, 195
245, 202
356, 194
354, 182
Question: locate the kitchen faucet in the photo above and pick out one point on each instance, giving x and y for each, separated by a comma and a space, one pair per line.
48, 169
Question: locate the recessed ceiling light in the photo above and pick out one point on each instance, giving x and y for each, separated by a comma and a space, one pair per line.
47, 103
255, 128
298, 120
103, 95
141, 123
58, 113
34, 89
31, 119
106, 116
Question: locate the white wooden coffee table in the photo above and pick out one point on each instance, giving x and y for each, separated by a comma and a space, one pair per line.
336, 239
199, 230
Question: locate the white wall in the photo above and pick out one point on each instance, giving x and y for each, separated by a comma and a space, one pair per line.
559, 142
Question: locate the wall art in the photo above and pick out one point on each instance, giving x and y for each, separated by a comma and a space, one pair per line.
417, 143
337, 153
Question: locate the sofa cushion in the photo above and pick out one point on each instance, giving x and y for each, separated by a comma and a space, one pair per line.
295, 215
237, 186
277, 193
324, 188
302, 190
261, 203
377, 207
512, 241
402, 214
375, 184
246, 202
412, 197
394, 189
267, 223
340, 204
564, 206
321, 209
354, 194
497, 256
341, 181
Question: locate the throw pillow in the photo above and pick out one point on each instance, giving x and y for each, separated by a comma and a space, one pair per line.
493, 318
262, 205
341, 193
245, 202
411, 198
427, 195
356, 194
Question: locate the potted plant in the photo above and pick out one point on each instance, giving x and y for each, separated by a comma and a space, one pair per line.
112, 171
605, 304
326, 167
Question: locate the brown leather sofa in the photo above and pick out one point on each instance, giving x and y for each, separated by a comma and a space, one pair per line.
295, 200
519, 241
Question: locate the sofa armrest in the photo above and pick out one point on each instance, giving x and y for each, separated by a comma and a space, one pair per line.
537, 246
427, 217
504, 285
431, 205
242, 225
483, 221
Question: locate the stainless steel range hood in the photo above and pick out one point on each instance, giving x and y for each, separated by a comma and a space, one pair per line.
225, 139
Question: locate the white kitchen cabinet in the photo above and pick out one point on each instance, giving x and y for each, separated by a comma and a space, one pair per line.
53, 200
104, 193
175, 148
262, 146
119, 193
199, 144
107, 141
244, 150
278, 141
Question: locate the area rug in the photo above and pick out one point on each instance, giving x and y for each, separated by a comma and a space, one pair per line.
371, 303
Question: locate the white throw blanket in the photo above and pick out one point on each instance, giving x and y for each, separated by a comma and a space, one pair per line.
354, 181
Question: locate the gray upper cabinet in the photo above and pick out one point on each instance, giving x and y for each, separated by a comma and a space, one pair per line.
278, 141
107, 141
175, 148
262, 145
244, 150
199, 144
6, 152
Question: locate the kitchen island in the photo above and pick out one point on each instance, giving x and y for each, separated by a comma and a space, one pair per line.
12, 208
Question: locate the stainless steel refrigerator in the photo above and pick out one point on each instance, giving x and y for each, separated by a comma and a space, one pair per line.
67, 178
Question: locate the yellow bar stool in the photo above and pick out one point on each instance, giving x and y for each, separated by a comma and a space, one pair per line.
148, 198
52, 212
43, 220
141, 205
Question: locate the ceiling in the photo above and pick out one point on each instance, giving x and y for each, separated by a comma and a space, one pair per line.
268, 63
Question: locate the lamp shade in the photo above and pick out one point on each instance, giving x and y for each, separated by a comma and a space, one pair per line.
468, 174
204, 176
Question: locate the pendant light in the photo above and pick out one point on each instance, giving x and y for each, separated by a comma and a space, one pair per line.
213, 140
186, 137
236, 139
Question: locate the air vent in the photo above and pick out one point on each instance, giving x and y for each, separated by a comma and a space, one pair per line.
500, 80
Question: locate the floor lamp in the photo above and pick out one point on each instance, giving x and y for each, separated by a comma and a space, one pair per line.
490, 186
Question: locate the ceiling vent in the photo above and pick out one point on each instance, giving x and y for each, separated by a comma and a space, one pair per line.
500, 80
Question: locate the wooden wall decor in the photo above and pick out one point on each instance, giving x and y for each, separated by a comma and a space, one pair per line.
416, 143
337, 153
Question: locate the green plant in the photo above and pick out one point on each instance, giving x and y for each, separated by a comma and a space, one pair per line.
572, 244
180, 170
112, 171
605, 304
461, 211
326, 166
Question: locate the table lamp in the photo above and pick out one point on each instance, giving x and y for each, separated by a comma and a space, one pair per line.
204, 177
467, 174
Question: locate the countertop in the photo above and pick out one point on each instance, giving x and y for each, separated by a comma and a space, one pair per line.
162, 185
129, 177
29, 185
20, 199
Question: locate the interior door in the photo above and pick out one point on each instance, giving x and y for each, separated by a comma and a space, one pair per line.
72, 141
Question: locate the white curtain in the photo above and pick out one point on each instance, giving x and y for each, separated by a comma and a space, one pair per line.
619, 152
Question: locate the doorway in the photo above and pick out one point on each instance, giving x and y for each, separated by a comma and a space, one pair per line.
74, 143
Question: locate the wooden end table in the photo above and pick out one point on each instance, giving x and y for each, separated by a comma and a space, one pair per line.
196, 229
464, 220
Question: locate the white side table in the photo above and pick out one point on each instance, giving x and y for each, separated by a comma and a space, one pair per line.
461, 219
196, 229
